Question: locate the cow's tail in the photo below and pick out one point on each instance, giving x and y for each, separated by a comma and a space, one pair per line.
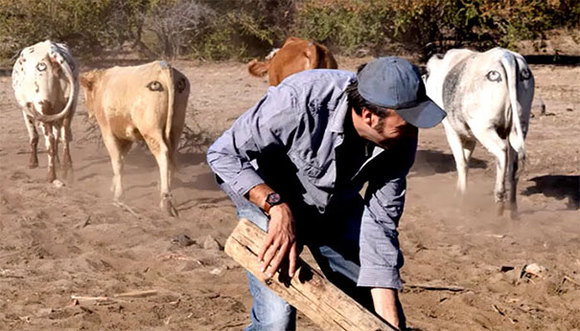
168, 77
60, 59
516, 135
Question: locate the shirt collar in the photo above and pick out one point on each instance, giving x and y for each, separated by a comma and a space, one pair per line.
340, 115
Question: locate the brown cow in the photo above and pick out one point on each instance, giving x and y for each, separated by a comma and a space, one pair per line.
145, 102
295, 55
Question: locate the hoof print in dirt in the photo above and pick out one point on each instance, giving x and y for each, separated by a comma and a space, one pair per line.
210, 243
182, 240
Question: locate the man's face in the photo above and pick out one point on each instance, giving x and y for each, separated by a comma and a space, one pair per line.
391, 130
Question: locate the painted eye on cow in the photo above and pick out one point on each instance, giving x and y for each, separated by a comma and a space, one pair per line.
525, 74
493, 76
41, 66
155, 86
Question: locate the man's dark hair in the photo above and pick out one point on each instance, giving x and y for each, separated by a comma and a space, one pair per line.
356, 101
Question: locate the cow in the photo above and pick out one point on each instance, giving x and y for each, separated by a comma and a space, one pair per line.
45, 83
488, 98
295, 55
145, 102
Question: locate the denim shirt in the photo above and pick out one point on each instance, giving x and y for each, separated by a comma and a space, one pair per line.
297, 129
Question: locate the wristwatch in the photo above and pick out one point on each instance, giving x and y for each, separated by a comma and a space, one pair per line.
272, 199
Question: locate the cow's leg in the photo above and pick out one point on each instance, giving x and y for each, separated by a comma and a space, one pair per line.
117, 150
49, 140
56, 135
496, 146
33, 141
468, 147
159, 149
457, 149
66, 138
513, 180
175, 137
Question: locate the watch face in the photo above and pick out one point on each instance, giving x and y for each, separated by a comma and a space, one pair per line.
273, 198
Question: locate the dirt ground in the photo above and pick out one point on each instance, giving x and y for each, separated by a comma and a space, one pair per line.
71, 241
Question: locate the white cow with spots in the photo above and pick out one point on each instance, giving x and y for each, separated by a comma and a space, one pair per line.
45, 82
488, 98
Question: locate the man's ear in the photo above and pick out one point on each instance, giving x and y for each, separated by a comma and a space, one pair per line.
367, 116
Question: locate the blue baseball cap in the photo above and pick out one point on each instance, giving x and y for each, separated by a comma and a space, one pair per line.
394, 83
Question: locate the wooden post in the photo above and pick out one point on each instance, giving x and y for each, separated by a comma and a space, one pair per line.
308, 290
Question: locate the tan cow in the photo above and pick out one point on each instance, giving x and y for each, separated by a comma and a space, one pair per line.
295, 55
45, 82
145, 102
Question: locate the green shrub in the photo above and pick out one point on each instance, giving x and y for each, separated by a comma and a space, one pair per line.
426, 26
240, 29
244, 28
88, 26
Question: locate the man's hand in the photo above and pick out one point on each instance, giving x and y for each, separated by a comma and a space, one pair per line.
280, 242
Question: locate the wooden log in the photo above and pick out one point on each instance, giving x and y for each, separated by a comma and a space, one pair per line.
309, 291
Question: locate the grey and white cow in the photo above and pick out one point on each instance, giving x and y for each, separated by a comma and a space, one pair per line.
45, 82
488, 98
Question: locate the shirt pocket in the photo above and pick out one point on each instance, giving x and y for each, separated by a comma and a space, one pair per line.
316, 172
305, 166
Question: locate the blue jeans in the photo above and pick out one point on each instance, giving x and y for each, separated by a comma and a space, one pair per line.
333, 241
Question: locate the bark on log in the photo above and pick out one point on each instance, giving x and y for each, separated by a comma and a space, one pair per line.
309, 291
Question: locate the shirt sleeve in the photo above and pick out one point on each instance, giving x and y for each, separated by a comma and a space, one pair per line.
269, 125
380, 255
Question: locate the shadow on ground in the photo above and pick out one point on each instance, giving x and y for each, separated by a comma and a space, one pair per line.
557, 186
429, 163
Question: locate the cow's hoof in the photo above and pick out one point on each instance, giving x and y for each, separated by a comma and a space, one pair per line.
514, 215
499, 209
33, 165
167, 205
68, 174
118, 203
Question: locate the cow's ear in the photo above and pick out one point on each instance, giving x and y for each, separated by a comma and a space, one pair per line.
88, 80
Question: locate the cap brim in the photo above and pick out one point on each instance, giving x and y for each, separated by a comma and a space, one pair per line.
425, 115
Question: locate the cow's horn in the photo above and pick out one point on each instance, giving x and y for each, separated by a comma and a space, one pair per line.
72, 95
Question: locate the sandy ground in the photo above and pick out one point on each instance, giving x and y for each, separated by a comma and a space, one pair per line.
60, 242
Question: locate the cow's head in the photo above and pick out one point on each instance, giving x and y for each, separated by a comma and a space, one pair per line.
46, 85
89, 82
49, 83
